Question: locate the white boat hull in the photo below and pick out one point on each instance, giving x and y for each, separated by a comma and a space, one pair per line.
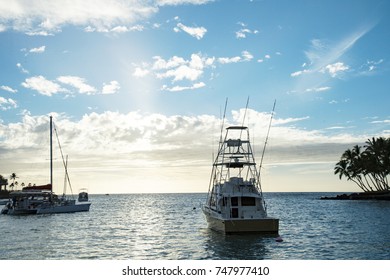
266, 225
80, 207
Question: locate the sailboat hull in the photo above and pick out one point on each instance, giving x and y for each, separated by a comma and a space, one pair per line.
80, 207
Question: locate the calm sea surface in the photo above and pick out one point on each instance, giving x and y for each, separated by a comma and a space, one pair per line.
172, 226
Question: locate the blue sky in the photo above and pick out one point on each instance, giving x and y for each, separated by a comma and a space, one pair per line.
136, 88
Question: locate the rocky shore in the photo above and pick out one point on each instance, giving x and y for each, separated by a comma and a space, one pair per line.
380, 195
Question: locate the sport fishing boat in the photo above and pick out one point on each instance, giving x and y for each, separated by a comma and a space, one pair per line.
235, 202
42, 199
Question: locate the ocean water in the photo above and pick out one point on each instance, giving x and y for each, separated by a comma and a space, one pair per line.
172, 227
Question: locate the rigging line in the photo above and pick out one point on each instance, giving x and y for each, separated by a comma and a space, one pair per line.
66, 176
266, 139
213, 172
223, 121
63, 161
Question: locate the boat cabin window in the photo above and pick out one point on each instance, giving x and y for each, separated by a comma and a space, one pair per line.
234, 201
248, 201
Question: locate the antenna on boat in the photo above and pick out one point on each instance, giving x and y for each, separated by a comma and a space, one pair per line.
266, 139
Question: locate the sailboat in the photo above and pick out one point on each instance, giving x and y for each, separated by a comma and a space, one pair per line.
235, 202
42, 199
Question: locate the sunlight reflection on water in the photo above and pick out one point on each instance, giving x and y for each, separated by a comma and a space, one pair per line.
171, 226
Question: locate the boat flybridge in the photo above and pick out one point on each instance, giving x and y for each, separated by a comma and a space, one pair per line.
235, 202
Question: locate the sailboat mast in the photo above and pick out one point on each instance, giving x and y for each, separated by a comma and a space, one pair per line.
51, 152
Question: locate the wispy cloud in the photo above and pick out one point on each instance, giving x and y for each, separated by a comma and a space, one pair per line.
244, 31
38, 50
7, 103
318, 89
78, 83
325, 60
196, 32
245, 56
9, 89
181, 88
67, 85
21, 68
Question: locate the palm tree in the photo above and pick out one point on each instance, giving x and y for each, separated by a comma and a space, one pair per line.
13, 178
378, 153
3, 182
368, 169
350, 167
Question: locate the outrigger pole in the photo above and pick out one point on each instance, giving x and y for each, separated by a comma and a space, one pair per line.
266, 139
51, 153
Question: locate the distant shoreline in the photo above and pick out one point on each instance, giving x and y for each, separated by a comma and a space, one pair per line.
381, 195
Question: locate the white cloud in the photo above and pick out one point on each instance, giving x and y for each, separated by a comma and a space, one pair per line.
38, 50
9, 89
139, 72
43, 86
298, 73
181, 88
180, 69
334, 69
318, 89
226, 60
68, 85
245, 56
78, 83
99, 144
197, 32
115, 29
47, 17
173, 62
154, 136
111, 88
7, 104
183, 72
242, 33
384, 121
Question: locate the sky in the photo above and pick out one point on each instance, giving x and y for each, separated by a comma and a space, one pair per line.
137, 89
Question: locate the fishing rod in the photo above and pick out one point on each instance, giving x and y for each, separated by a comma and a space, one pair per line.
243, 119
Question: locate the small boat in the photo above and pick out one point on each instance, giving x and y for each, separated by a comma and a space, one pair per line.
235, 202
42, 199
